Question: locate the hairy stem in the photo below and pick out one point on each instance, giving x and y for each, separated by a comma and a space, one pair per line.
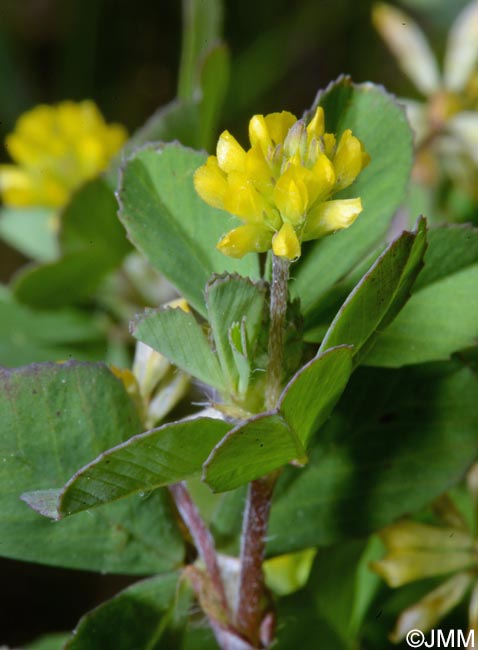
278, 308
251, 584
256, 514
202, 538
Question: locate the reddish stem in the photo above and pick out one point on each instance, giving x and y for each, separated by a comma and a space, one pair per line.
250, 611
202, 538
251, 584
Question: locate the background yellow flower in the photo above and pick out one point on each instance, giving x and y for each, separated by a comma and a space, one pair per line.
56, 149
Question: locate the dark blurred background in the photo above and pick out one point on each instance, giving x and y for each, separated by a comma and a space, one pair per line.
125, 56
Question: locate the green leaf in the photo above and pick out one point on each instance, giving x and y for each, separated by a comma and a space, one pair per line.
175, 121
93, 243
270, 440
318, 321
304, 625
140, 617
31, 231
176, 334
238, 343
380, 122
344, 586
230, 299
380, 294
28, 336
214, 81
451, 248
251, 450
171, 226
335, 600
441, 317
438, 321
62, 283
169, 454
90, 222
54, 418
55, 641
202, 27
310, 396
397, 440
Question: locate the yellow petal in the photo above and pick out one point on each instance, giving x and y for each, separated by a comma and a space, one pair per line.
349, 160
127, 378
52, 192
425, 614
231, 157
285, 574
70, 120
210, 183
401, 567
315, 128
290, 195
36, 124
36, 137
329, 143
24, 150
244, 201
259, 134
178, 303
16, 186
20, 187
250, 238
259, 171
322, 179
90, 158
330, 216
286, 243
271, 130
278, 125
90, 113
13, 177
57, 148
115, 135
473, 610
408, 534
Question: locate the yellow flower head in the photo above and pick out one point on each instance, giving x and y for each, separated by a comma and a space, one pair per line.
56, 149
281, 187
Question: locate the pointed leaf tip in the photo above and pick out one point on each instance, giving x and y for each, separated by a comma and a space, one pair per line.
45, 502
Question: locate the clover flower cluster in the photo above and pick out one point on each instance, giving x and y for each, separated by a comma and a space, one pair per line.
281, 187
55, 149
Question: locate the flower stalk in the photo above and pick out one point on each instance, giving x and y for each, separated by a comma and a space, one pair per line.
202, 538
250, 612
278, 308
251, 585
